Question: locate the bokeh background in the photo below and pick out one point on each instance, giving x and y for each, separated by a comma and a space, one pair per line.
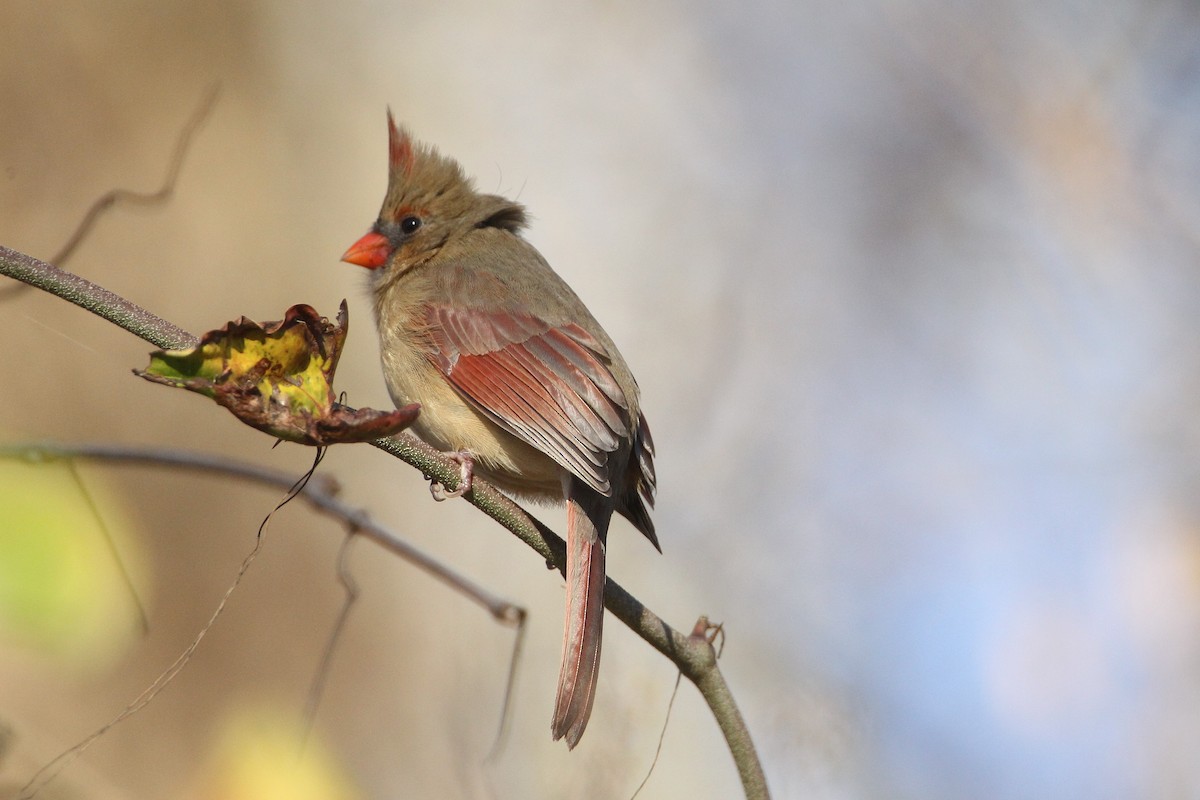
911, 290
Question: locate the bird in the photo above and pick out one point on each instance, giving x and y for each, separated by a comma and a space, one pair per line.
516, 380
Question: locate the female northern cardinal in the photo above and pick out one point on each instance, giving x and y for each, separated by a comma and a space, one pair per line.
515, 377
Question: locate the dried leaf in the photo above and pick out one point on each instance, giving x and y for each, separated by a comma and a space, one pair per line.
278, 377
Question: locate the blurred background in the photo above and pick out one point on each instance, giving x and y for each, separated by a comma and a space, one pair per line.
910, 289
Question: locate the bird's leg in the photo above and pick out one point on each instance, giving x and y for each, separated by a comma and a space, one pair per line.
466, 474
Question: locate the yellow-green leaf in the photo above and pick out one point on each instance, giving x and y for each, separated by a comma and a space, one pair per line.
278, 377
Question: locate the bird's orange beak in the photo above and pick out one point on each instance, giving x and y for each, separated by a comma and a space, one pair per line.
371, 251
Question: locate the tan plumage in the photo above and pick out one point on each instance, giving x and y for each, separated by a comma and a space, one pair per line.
511, 368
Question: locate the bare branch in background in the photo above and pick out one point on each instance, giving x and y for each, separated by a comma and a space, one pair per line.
115, 196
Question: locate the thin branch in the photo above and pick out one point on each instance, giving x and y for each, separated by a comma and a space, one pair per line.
317, 493
349, 599
694, 655
111, 543
662, 735
160, 195
510, 688
95, 298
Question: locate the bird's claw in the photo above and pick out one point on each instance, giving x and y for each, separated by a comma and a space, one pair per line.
466, 475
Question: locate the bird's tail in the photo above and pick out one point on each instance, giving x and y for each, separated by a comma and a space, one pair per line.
587, 524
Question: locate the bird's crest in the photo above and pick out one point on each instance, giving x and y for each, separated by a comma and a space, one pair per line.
424, 182
400, 149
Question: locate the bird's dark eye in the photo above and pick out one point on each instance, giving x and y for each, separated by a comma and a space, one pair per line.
410, 224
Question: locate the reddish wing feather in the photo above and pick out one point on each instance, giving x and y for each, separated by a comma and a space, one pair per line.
548, 386
514, 406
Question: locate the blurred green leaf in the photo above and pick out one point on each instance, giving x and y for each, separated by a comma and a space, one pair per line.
60, 589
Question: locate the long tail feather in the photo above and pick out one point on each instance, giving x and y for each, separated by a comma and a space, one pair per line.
587, 523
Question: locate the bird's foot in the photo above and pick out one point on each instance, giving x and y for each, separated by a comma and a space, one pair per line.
466, 475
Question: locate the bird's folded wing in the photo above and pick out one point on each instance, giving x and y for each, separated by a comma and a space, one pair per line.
549, 386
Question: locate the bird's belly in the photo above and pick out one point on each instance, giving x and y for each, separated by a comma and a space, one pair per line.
449, 423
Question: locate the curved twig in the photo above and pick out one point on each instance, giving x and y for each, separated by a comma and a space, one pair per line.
694, 654
114, 196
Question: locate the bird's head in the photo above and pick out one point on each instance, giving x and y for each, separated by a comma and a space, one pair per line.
429, 200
